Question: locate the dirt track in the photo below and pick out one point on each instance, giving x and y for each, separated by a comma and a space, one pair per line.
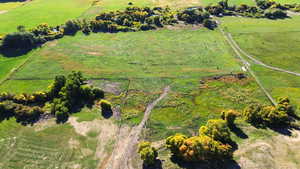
125, 147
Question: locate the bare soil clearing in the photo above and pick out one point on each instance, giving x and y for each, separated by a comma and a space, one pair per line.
277, 152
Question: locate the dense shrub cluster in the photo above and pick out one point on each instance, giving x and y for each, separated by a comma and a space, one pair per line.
148, 154
22, 113
212, 143
272, 116
65, 95
69, 93
264, 9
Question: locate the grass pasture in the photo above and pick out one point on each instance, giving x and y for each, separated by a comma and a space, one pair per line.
53, 12
163, 53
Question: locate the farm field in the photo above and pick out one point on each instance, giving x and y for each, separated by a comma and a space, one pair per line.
163, 53
42, 11
147, 86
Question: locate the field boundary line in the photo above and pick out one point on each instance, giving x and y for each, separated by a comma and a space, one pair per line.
247, 65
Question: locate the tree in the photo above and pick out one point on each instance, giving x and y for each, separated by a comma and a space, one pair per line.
217, 129
148, 154
56, 86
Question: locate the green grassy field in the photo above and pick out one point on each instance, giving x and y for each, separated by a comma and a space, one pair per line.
53, 12
163, 53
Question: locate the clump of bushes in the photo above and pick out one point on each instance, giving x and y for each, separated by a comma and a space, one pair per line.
275, 14
65, 95
23, 114
148, 153
212, 143
272, 116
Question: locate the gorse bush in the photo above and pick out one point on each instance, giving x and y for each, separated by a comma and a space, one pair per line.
217, 129
229, 116
212, 143
272, 116
23, 114
148, 154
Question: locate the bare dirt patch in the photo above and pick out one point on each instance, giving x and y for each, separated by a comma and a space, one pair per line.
83, 128
111, 87
74, 143
44, 124
228, 78
2, 12
277, 152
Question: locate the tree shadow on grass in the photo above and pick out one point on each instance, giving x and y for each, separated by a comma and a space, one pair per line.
106, 113
157, 165
213, 164
14, 52
5, 1
238, 132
